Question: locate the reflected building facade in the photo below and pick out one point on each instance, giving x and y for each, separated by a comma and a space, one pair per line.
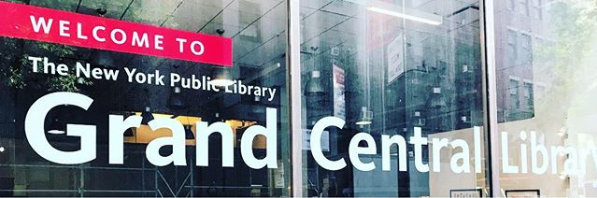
386, 67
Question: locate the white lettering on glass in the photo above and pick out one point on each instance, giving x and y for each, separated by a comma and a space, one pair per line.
361, 149
36, 134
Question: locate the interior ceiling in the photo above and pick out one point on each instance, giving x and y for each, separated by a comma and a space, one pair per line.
256, 25
330, 23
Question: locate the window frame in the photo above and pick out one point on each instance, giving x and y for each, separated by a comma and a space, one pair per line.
526, 48
528, 95
512, 44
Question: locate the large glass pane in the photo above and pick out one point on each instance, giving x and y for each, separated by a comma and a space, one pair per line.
392, 68
239, 97
545, 98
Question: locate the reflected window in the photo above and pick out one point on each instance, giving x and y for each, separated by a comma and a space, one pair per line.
524, 7
526, 49
511, 4
528, 96
554, 106
512, 48
538, 10
514, 95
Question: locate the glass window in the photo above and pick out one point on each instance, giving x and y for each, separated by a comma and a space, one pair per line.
250, 92
391, 69
541, 150
512, 48
392, 99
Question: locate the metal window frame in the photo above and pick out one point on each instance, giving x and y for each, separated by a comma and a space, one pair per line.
488, 59
293, 74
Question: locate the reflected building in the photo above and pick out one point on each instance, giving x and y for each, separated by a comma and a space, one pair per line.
402, 74
386, 67
520, 27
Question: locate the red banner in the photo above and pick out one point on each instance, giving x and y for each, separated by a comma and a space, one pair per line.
68, 28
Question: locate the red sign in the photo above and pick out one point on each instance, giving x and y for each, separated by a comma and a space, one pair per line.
68, 28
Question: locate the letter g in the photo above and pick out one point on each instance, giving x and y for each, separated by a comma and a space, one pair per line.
35, 132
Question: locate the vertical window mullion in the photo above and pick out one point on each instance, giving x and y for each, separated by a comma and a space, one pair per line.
490, 97
293, 69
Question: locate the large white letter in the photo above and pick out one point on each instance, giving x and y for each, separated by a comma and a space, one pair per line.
177, 141
464, 156
386, 143
122, 34
63, 27
571, 163
270, 133
96, 36
201, 49
118, 125
41, 24
316, 143
35, 133
354, 150
141, 41
202, 139
535, 168
507, 168
477, 147
438, 144
418, 141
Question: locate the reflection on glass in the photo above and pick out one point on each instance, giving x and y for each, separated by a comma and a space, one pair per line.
257, 29
545, 52
403, 65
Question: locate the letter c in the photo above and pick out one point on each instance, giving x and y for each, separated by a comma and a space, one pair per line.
97, 37
316, 143
35, 132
